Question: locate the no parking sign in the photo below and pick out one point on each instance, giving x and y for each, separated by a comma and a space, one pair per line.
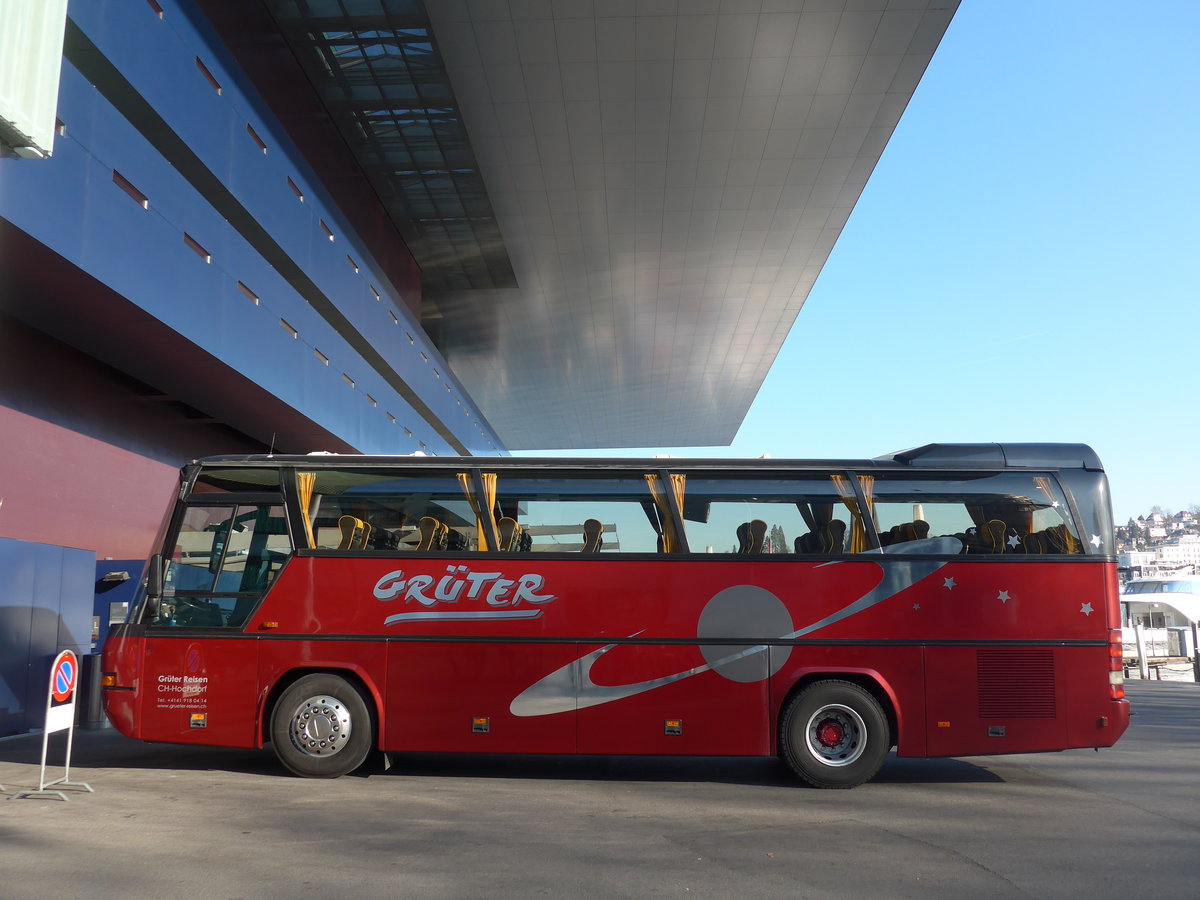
64, 675
60, 716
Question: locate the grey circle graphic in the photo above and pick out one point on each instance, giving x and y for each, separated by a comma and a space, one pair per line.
744, 611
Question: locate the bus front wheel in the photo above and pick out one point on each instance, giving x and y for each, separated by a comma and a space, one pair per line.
321, 727
834, 734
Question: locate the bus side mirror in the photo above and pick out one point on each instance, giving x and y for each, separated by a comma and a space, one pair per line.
154, 576
153, 586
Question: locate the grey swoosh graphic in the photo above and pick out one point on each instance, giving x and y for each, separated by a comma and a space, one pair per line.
570, 687
463, 616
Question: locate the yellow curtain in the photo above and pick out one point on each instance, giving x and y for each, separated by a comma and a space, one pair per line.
488, 506
858, 527
305, 482
867, 483
671, 542
489, 497
677, 485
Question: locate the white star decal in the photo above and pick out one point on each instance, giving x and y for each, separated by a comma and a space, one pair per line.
1003, 597
916, 606
1055, 504
1086, 609
949, 583
1095, 541
1013, 540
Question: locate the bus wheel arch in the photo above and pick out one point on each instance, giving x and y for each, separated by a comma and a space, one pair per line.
322, 723
835, 730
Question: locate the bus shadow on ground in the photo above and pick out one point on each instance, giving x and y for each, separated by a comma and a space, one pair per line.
934, 771
763, 772
107, 749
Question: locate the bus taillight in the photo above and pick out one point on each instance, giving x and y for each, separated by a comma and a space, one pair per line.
1116, 657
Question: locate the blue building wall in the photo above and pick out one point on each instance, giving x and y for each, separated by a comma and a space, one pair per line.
113, 598
45, 608
157, 121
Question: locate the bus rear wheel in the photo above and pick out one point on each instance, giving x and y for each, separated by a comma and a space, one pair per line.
834, 734
321, 727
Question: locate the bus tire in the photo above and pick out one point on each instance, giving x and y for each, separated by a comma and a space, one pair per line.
321, 727
834, 734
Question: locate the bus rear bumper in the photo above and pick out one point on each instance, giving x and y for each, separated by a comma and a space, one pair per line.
1115, 723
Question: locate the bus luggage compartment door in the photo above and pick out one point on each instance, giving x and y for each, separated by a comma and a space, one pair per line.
455, 696
982, 700
649, 698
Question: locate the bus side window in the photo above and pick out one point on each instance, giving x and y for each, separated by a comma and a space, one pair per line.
602, 514
381, 509
989, 514
752, 514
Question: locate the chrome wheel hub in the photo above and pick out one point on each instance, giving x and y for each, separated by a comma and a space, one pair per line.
320, 726
836, 735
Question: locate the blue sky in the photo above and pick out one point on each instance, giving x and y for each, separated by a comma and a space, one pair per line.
1024, 264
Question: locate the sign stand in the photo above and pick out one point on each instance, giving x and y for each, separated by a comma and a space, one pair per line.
60, 715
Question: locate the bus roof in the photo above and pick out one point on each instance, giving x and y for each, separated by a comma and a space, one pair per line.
940, 456
1000, 456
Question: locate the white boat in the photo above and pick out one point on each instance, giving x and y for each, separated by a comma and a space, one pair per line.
1161, 602
1165, 609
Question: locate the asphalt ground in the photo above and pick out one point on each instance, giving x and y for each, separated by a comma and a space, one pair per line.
173, 821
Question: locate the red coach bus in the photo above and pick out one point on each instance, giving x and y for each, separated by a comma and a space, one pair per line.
948, 600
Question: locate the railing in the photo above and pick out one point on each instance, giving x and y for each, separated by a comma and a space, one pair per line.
1154, 646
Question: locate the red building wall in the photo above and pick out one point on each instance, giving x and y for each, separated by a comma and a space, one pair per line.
62, 487
89, 457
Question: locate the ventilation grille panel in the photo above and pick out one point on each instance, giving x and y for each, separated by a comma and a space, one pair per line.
1016, 683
